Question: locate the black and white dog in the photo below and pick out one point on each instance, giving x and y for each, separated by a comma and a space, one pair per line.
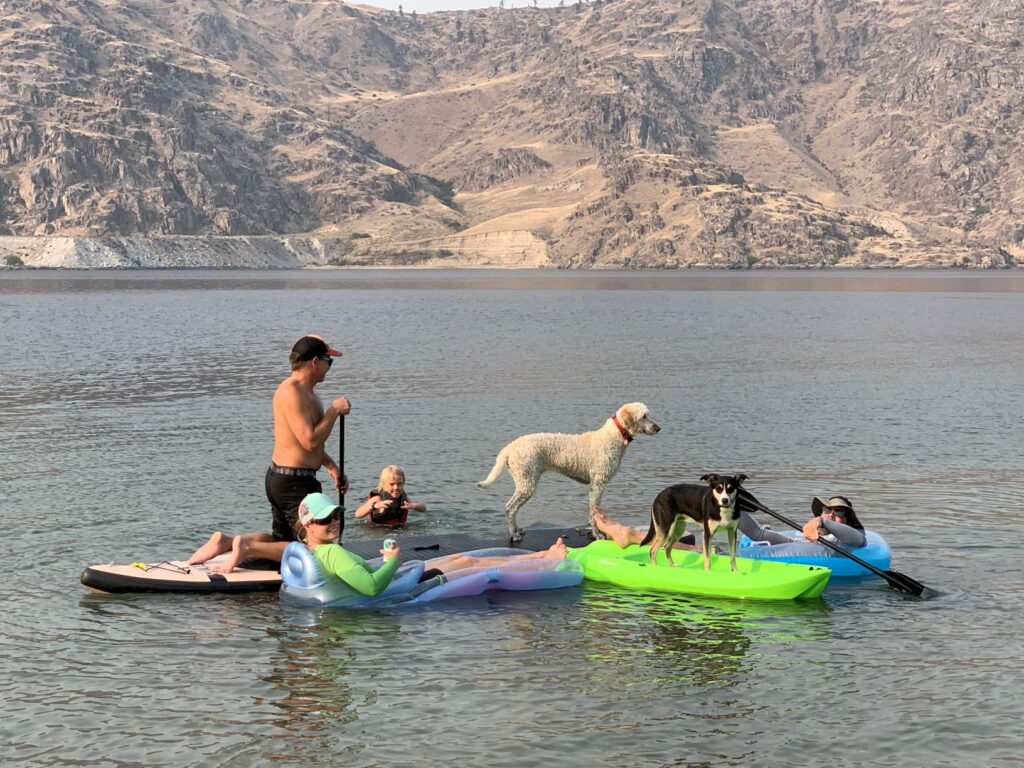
712, 505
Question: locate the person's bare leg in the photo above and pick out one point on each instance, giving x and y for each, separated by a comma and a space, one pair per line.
556, 551
256, 545
618, 532
218, 544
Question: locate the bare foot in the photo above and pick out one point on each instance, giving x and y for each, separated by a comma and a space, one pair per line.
621, 534
558, 550
218, 544
239, 547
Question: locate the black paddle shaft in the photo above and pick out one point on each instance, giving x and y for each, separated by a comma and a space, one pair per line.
341, 457
897, 580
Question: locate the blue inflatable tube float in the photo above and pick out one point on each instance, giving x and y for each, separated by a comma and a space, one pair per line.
803, 552
303, 584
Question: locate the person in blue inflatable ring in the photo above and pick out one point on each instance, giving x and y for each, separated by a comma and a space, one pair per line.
322, 521
833, 519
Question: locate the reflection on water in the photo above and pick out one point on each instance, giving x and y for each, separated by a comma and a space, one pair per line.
312, 669
702, 640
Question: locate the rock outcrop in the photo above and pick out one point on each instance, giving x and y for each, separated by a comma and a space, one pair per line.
499, 168
121, 119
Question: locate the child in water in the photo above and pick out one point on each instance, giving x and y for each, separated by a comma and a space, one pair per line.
388, 503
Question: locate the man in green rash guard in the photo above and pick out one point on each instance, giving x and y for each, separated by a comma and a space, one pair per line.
323, 521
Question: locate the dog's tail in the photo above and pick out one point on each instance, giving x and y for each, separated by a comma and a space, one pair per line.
650, 535
499, 465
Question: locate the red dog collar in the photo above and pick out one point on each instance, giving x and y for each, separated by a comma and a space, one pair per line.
626, 437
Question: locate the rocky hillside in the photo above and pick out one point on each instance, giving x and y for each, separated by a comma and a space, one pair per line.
627, 133
178, 119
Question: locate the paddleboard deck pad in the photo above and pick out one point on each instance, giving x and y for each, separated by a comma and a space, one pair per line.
263, 576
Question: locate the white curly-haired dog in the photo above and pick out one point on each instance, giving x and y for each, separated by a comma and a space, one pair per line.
592, 458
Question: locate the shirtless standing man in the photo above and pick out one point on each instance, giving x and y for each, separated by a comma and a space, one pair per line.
301, 429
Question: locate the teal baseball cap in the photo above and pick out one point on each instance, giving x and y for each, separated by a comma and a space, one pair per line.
317, 506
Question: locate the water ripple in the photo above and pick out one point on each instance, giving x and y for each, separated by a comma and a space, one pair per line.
152, 427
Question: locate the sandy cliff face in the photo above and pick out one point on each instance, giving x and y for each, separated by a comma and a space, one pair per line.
630, 133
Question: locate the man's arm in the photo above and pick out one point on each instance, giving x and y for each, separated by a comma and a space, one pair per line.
309, 435
340, 481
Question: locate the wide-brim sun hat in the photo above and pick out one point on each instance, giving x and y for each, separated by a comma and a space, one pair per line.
819, 505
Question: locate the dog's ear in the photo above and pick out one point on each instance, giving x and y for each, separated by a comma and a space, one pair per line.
627, 417
739, 479
710, 478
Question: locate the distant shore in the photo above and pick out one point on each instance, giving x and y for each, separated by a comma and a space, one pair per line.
494, 250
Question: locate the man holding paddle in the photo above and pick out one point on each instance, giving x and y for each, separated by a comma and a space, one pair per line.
301, 429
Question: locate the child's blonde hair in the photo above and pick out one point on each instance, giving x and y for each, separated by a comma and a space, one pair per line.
390, 471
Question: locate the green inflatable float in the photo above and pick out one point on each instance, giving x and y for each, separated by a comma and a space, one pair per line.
752, 580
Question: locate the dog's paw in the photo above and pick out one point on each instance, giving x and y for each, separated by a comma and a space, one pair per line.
518, 536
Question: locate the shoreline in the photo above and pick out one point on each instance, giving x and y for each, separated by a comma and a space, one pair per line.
717, 269
511, 250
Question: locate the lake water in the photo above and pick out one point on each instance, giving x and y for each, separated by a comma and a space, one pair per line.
136, 417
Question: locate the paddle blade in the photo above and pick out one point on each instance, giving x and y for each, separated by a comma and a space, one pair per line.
904, 583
